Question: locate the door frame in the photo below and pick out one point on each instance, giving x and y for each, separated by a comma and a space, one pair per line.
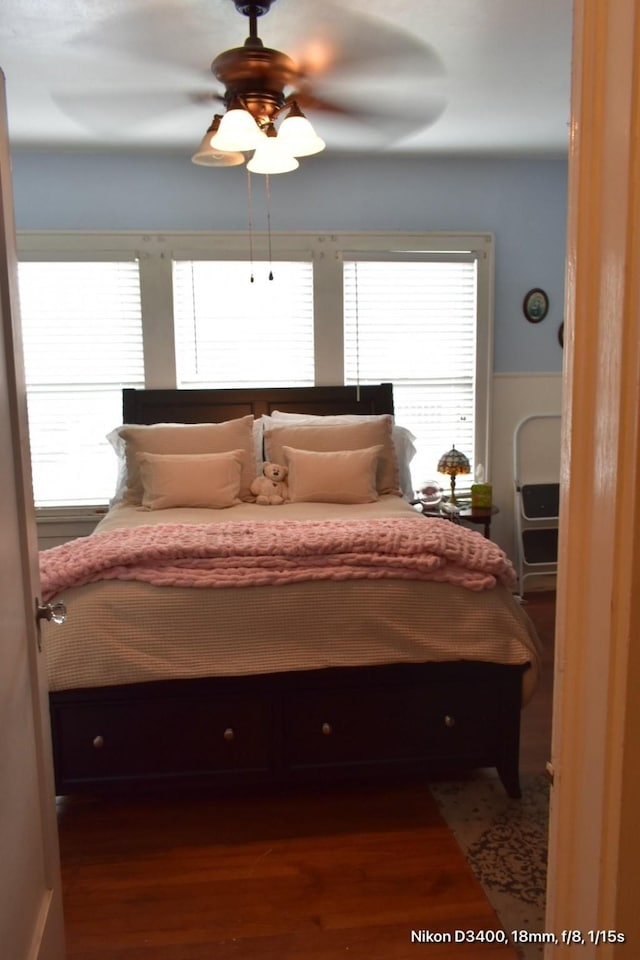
594, 841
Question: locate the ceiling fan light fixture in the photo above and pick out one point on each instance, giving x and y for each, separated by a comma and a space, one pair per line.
207, 156
255, 80
298, 135
271, 157
238, 131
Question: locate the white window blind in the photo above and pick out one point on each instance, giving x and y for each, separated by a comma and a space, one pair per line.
415, 324
82, 332
233, 332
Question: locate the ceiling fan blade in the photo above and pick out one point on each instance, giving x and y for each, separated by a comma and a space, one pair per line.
206, 97
345, 43
171, 33
383, 123
322, 38
364, 70
354, 67
110, 110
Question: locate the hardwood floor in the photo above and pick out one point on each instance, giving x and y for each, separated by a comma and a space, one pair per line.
313, 876
306, 874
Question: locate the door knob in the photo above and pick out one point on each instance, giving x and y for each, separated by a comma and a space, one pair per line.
54, 612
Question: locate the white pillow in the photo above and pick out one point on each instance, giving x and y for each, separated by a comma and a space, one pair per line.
190, 480
403, 439
336, 476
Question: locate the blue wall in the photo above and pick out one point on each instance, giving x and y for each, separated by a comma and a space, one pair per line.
521, 201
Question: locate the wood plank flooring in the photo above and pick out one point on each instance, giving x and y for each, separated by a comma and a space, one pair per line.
314, 875
302, 874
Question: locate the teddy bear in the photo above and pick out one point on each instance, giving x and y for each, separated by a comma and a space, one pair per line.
271, 488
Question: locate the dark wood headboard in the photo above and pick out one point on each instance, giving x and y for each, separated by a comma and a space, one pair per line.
214, 406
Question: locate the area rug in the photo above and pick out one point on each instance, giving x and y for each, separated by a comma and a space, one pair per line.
505, 843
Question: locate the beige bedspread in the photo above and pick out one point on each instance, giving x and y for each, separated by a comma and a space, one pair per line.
126, 632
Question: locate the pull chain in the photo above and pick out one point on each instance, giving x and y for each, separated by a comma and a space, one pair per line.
250, 220
268, 192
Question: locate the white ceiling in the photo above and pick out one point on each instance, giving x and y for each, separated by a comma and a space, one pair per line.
465, 76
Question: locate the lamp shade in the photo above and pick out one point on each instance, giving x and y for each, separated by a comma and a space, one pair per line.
237, 131
208, 156
270, 157
298, 136
453, 462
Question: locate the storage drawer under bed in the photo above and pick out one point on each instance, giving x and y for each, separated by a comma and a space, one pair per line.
389, 726
173, 737
315, 725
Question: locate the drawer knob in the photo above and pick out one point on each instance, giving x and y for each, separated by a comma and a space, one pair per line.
449, 721
229, 734
327, 729
98, 742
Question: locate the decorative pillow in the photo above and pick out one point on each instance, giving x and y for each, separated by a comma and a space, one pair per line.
343, 436
190, 480
184, 438
337, 476
403, 439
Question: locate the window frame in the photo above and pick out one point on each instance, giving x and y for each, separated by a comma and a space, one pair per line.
470, 446
260, 268
156, 252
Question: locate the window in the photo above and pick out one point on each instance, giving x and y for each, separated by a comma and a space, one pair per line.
234, 326
82, 334
414, 322
105, 311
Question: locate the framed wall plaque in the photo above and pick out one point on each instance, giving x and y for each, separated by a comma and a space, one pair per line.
535, 305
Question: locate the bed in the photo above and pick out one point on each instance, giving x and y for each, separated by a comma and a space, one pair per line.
247, 666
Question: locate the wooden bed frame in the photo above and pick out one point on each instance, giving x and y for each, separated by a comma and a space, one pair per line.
331, 724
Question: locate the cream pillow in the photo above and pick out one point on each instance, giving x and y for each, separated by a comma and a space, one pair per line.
337, 476
403, 439
183, 438
190, 480
348, 436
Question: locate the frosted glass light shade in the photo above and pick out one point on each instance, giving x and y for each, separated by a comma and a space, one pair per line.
207, 156
271, 157
237, 131
298, 136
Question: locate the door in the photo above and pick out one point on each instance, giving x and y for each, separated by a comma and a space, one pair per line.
30, 895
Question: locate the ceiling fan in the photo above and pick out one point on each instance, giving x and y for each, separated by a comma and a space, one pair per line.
255, 78
254, 74
260, 84
361, 79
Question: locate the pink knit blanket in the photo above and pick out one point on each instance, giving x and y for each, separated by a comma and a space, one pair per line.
232, 554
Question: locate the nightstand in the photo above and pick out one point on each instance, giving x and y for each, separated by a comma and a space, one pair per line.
479, 516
